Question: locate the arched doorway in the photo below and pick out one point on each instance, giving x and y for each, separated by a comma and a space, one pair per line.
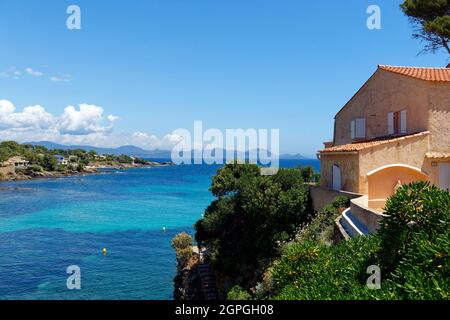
337, 178
384, 181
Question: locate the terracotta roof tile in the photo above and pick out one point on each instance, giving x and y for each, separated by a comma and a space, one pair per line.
428, 74
437, 155
370, 143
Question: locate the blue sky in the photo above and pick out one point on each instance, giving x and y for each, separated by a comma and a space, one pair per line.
160, 65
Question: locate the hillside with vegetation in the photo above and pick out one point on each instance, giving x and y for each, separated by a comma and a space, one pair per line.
43, 162
265, 242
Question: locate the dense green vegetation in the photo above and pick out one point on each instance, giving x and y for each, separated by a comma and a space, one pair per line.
412, 249
266, 243
42, 159
250, 216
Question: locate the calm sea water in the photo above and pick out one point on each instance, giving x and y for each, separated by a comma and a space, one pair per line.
47, 225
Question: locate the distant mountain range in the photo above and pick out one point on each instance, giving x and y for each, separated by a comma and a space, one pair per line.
131, 150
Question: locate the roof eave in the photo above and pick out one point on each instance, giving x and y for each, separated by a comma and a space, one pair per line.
338, 152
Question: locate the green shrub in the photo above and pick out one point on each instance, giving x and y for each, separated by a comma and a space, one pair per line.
412, 249
321, 227
182, 243
34, 168
413, 209
237, 293
310, 270
307, 173
80, 167
341, 202
415, 241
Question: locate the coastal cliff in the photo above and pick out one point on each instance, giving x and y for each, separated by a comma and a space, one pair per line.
195, 279
187, 282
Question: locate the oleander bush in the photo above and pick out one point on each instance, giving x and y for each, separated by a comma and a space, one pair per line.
311, 270
415, 242
412, 249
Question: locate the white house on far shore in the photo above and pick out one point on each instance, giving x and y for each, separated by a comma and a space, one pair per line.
16, 162
61, 160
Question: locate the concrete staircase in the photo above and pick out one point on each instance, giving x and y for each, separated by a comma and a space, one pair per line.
208, 281
359, 219
352, 226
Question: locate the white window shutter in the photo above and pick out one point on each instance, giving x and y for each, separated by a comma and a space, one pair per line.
360, 128
352, 129
403, 121
390, 123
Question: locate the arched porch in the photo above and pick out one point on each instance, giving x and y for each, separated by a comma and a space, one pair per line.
384, 181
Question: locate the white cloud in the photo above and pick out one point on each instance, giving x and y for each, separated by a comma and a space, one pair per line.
31, 117
112, 118
32, 72
88, 119
85, 124
62, 77
148, 141
6, 108
12, 72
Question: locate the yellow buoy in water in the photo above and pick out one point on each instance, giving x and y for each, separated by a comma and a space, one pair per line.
104, 251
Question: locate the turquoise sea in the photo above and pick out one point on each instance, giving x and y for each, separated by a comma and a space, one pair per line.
47, 225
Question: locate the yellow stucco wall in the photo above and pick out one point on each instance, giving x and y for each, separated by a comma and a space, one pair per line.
439, 117
409, 151
348, 163
385, 92
381, 184
428, 109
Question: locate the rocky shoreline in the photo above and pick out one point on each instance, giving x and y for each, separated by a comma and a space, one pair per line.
92, 168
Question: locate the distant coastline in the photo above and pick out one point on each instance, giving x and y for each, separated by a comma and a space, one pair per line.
135, 151
88, 171
26, 162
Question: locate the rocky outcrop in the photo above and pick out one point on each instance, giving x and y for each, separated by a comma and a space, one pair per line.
195, 281
187, 284
9, 174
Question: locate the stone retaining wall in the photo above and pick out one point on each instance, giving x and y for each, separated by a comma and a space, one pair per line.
321, 196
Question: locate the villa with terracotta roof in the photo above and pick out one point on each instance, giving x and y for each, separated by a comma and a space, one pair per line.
393, 131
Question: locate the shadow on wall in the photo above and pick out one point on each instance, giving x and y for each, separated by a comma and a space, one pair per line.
383, 182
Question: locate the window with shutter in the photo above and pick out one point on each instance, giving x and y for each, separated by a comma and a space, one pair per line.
397, 122
360, 128
403, 121
390, 123
352, 129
